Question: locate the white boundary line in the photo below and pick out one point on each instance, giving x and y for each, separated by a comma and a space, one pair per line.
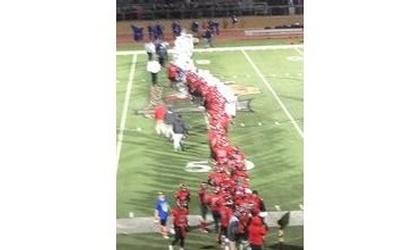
222, 49
300, 52
273, 92
125, 109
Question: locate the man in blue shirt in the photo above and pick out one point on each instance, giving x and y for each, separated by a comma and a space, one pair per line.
161, 214
159, 31
150, 32
194, 26
161, 52
137, 33
207, 38
176, 29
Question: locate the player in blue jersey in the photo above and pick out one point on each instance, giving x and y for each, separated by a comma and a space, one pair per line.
176, 29
162, 214
137, 33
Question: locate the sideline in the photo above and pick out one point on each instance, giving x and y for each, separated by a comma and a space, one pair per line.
125, 109
221, 49
299, 51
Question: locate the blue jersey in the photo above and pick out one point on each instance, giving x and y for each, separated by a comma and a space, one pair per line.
137, 33
161, 50
162, 207
176, 29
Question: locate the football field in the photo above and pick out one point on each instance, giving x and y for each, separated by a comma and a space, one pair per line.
270, 133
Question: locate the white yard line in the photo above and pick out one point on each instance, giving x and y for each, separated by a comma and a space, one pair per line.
125, 109
274, 93
222, 49
299, 51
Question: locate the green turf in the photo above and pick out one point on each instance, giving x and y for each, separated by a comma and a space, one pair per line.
148, 164
275, 149
293, 240
286, 77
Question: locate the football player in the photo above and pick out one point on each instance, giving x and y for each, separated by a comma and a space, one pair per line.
183, 195
162, 213
180, 221
202, 198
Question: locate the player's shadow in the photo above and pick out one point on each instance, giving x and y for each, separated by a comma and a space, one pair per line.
208, 247
285, 247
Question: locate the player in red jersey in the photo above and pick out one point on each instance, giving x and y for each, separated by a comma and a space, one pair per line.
216, 178
256, 233
160, 112
219, 154
180, 221
215, 201
213, 137
244, 219
183, 195
202, 198
172, 72
259, 200
225, 214
225, 121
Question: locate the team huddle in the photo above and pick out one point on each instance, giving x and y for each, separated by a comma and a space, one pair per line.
238, 219
237, 211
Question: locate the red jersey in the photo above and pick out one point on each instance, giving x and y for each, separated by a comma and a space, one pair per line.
213, 137
160, 112
256, 231
220, 153
225, 122
240, 175
183, 195
217, 178
252, 204
258, 201
172, 72
204, 90
243, 222
215, 202
179, 217
191, 77
225, 214
239, 201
